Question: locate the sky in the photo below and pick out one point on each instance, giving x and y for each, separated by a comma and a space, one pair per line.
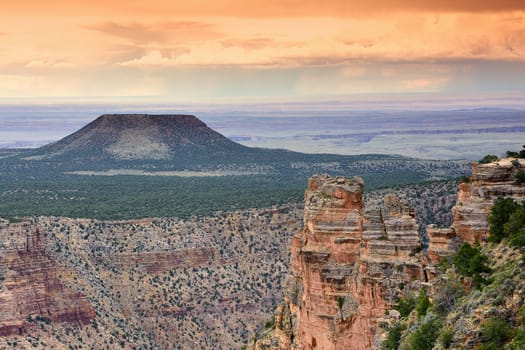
196, 51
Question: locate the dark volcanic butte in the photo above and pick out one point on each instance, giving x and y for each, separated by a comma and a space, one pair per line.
134, 137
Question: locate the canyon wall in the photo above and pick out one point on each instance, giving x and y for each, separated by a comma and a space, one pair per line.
30, 289
477, 196
349, 265
156, 283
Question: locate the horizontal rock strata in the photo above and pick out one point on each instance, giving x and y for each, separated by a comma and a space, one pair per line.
29, 286
475, 198
348, 264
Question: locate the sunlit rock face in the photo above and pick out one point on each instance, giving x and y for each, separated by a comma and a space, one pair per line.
476, 198
349, 264
441, 242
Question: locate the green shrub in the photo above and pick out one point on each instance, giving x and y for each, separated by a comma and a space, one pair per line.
489, 158
520, 154
495, 333
520, 177
340, 302
515, 227
518, 342
469, 261
499, 216
394, 336
424, 337
518, 239
507, 220
423, 303
270, 323
445, 337
406, 305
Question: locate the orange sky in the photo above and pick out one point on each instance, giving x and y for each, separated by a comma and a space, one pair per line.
226, 49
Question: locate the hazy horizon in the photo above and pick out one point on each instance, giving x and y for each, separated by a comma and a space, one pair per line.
432, 128
229, 62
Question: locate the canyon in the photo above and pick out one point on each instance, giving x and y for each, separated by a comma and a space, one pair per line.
352, 263
213, 281
206, 282
153, 283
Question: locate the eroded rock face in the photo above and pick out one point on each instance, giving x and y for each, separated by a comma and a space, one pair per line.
487, 183
29, 286
442, 242
348, 264
351, 263
325, 259
476, 198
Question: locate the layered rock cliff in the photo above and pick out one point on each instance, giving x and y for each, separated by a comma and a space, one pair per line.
30, 289
476, 196
349, 265
480, 306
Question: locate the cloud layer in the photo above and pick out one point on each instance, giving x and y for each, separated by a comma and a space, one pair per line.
411, 45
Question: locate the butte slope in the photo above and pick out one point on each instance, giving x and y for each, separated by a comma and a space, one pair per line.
132, 139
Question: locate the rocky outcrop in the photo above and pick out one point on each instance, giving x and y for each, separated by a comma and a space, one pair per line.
156, 262
476, 197
325, 259
349, 264
29, 287
442, 242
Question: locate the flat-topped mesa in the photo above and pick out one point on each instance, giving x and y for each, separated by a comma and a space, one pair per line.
182, 120
476, 198
140, 138
29, 286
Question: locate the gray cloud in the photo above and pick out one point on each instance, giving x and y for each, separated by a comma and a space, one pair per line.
140, 33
